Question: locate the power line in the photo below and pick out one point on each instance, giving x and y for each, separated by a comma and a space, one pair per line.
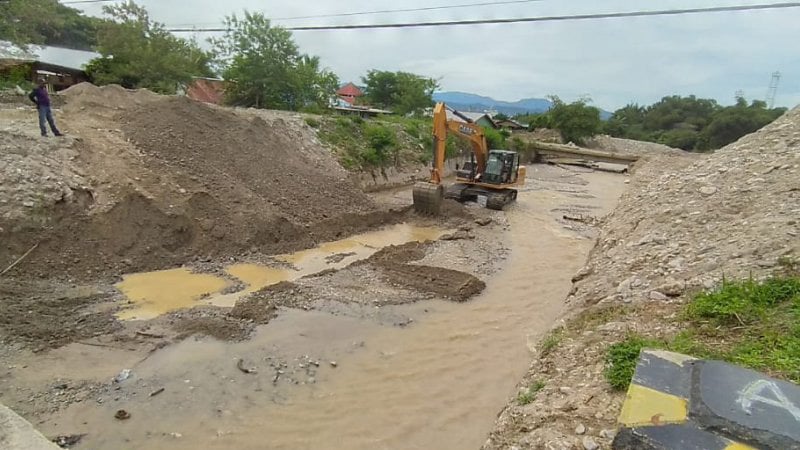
389, 11
427, 8
666, 12
87, 1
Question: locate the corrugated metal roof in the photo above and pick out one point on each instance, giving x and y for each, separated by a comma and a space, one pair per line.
57, 56
473, 116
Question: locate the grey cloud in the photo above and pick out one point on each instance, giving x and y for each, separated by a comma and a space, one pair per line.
613, 61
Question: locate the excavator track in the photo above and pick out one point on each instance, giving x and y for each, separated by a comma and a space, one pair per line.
498, 200
428, 198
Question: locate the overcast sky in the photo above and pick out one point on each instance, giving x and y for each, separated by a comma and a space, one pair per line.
614, 61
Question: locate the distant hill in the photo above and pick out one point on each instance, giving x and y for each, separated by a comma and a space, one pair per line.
465, 101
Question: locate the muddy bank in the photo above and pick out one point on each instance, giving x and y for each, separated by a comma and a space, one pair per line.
45, 315
152, 181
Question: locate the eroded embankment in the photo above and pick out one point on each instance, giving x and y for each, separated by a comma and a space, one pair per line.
684, 226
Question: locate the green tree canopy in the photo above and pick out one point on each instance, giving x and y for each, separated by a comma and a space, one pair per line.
690, 123
401, 92
576, 121
266, 69
46, 22
140, 53
731, 123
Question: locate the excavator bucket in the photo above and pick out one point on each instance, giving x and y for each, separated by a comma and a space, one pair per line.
428, 198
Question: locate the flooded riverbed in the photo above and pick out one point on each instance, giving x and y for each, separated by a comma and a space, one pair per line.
326, 381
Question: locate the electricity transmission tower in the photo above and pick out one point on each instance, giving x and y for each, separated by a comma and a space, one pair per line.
773, 89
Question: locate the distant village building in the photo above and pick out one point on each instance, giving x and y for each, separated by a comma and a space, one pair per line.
482, 119
60, 67
511, 125
350, 93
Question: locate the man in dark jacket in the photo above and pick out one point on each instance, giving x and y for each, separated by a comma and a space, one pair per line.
42, 100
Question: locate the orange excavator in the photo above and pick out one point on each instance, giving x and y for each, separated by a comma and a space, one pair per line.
493, 174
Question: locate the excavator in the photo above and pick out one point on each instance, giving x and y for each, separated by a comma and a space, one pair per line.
490, 173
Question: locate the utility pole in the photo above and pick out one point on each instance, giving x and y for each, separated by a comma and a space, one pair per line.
773, 89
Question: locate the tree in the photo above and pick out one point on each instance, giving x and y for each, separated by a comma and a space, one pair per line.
139, 53
48, 22
690, 123
733, 122
627, 121
402, 92
266, 69
576, 121
494, 138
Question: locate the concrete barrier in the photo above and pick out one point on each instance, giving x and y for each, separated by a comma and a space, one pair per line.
17, 433
678, 402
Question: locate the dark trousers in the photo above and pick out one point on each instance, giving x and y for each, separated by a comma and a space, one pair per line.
45, 114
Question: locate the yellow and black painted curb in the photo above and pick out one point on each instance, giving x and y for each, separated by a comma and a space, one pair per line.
656, 412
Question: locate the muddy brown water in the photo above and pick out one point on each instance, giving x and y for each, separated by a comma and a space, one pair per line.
436, 384
155, 293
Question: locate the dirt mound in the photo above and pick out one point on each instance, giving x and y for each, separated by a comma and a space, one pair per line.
153, 182
86, 95
394, 263
631, 147
450, 284
733, 212
225, 151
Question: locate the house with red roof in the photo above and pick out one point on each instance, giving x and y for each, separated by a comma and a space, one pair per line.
350, 93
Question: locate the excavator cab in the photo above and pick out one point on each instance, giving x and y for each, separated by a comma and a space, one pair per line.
501, 167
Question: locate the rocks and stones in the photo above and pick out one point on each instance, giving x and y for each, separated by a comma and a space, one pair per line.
590, 444
708, 190
580, 429
483, 221
122, 376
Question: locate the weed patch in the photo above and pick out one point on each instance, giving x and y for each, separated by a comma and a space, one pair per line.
751, 323
551, 341
621, 360
529, 394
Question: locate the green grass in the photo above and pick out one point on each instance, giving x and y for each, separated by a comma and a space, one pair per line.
374, 143
551, 341
312, 122
529, 394
751, 323
621, 360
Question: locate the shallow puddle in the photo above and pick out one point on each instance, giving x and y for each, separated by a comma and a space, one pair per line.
157, 293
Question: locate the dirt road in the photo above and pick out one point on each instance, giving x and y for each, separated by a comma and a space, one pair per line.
359, 359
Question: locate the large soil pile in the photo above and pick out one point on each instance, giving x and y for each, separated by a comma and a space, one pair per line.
229, 153
735, 212
683, 226
146, 182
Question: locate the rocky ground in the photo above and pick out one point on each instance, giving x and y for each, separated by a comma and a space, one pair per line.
683, 225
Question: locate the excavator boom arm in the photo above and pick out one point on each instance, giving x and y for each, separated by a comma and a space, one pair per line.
441, 127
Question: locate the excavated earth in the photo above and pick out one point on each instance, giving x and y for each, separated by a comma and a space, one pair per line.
146, 182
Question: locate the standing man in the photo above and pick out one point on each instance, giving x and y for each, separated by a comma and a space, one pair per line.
42, 100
